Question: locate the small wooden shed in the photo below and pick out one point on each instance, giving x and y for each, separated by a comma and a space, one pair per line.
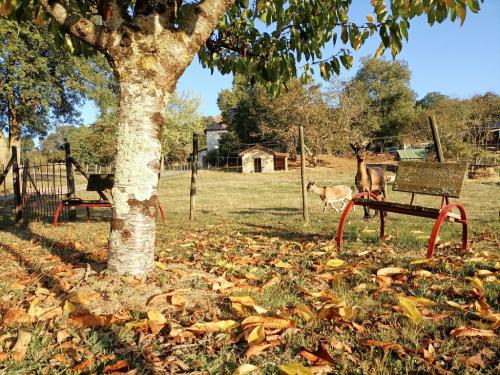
258, 159
411, 154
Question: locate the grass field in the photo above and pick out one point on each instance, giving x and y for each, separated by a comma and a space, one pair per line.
373, 308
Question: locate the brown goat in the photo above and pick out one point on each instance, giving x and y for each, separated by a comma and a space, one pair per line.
369, 179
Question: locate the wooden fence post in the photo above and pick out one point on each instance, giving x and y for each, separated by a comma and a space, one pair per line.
17, 186
305, 208
194, 173
437, 144
70, 178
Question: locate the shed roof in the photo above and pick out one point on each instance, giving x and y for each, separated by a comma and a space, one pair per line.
263, 149
217, 125
412, 154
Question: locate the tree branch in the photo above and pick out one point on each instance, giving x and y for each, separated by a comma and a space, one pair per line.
202, 20
82, 28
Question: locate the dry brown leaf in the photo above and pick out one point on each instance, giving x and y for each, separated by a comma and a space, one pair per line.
471, 332
474, 361
387, 346
15, 316
340, 346
62, 335
22, 343
83, 297
257, 349
82, 366
93, 321
391, 271
118, 366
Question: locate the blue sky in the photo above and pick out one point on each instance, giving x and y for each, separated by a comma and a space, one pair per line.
455, 60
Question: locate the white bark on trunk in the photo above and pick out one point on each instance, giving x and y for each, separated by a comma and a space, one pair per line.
132, 237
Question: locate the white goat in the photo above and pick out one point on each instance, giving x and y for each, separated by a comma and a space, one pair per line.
332, 194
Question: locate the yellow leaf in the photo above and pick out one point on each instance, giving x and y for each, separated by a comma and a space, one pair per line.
281, 264
334, 263
455, 305
269, 322
161, 266
421, 261
156, 317
295, 368
220, 326
304, 312
420, 301
68, 307
370, 18
410, 310
257, 335
390, 271
476, 283
246, 369
137, 324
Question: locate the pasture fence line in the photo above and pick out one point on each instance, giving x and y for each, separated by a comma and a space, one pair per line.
33, 190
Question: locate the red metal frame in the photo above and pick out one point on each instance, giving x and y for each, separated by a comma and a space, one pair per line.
347, 209
437, 225
443, 215
94, 204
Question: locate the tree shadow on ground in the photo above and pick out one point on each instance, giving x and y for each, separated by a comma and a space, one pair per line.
289, 211
68, 258
283, 233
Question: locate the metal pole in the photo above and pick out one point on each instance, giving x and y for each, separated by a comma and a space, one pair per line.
305, 209
194, 173
437, 144
17, 186
70, 178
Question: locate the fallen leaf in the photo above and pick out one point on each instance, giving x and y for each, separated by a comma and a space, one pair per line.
281, 264
340, 346
156, 317
471, 332
386, 346
410, 310
220, 326
161, 266
83, 297
269, 322
246, 369
257, 335
82, 366
120, 365
474, 361
390, 271
334, 263
304, 312
21, 346
294, 368
257, 349
421, 301
15, 316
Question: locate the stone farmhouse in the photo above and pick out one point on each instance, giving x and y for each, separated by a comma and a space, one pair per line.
258, 159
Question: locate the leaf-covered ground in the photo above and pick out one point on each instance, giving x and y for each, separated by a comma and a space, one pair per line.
245, 291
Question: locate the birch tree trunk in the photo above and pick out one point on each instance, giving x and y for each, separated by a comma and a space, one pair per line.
132, 236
